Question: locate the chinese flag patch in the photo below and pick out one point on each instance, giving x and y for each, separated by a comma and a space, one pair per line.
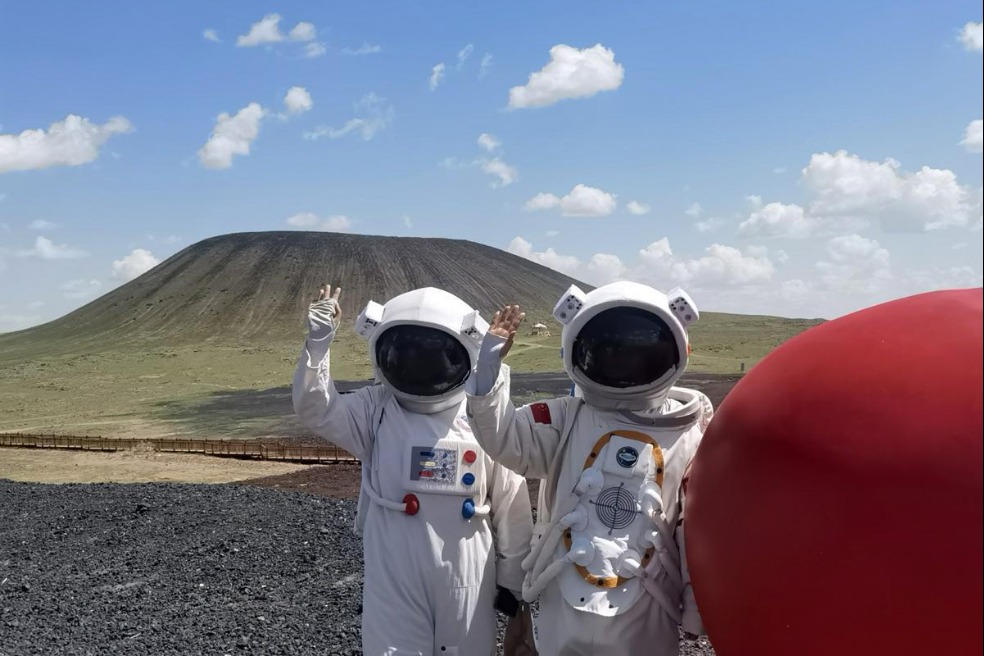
540, 412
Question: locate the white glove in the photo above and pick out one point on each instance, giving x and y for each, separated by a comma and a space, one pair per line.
321, 318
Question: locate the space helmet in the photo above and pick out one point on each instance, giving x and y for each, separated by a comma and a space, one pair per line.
625, 344
423, 345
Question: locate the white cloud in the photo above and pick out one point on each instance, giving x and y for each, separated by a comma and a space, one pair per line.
485, 65
488, 142
852, 193
35, 305
314, 49
637, 208
582, 200
857, 265
303, 31
777, 220
856, 247
407, 221
970, 36
138, 262
41, 224
311, 221
48, 250
721, 267
364, 49
972, 136
266, 30
437, 74
464, 54
552, 233
850, 187
232, 135
571, 73
549, 258
297, 100
506, 174
604, 268
693, 211
80, 288
211, 35
779, 170
71, 142
374, 114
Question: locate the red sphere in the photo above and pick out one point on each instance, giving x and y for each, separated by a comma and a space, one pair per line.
835, 503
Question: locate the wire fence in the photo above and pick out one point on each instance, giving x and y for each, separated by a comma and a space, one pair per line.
226, 448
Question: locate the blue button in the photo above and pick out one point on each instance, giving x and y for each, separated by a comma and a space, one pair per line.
468, 509
468, 478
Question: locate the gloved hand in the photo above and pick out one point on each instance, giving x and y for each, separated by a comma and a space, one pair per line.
518, 640
324, 312
505, 323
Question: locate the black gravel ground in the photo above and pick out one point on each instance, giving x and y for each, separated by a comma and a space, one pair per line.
162, 569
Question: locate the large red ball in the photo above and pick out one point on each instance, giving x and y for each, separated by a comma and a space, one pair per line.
835, 503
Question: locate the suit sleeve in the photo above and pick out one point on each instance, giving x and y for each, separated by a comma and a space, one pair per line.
524, 439
343, 419
512, 522
691, 622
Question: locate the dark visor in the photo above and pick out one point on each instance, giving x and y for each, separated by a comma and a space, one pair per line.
421, 361
625, 347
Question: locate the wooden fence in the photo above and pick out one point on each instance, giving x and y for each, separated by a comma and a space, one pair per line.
249, 449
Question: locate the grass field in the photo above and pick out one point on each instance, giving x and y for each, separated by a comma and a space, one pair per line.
223, 390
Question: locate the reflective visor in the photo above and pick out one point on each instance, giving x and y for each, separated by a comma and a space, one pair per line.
421, 361
625, 347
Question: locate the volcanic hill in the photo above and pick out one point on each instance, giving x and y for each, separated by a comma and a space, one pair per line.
253, 287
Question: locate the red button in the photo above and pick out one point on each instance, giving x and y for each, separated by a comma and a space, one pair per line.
470, 456
426, 474
413, 505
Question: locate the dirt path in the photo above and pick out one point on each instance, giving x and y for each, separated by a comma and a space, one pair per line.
137, 466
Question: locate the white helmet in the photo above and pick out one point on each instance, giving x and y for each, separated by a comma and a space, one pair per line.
625, 344
423, 345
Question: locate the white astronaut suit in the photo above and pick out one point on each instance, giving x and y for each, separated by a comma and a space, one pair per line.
608, 562
434, 508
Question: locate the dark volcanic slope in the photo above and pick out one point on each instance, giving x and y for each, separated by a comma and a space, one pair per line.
250, 285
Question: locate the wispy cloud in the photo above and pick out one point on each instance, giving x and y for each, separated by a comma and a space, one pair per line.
437, 74
364, 49
373, 113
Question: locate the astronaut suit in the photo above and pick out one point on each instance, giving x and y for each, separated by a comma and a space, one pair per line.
433, 506
608, 562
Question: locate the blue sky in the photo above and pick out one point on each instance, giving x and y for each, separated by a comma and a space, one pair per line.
789, 158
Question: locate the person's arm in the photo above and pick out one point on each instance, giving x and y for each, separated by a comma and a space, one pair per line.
691, 623
524, 439
343, 419
512, 523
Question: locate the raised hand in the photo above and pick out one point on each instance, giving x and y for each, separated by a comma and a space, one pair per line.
505, 322
325, 309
